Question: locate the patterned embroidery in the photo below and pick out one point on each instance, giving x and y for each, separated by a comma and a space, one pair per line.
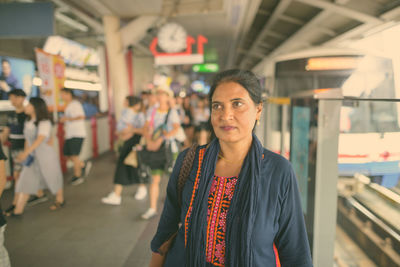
196, 185
219, 199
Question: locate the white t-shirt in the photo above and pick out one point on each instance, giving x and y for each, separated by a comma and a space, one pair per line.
75, 128
44, 128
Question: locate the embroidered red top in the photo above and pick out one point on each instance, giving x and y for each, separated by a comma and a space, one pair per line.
219, 200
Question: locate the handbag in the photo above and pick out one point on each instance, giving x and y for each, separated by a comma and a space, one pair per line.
131, 159
180, 135
160, 159
159, 258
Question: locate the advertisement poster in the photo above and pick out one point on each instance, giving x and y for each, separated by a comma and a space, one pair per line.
16, 73
299, 150
52, 72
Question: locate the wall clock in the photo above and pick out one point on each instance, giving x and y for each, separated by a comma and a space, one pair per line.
172, 38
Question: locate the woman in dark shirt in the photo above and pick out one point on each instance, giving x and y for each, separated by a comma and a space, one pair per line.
240, 204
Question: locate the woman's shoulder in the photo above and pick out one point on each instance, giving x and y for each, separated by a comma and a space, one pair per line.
274, 161
184, 152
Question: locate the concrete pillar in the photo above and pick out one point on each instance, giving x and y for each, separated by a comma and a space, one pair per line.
143, 71
116, 59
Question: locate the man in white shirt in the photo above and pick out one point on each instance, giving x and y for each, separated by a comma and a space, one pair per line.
75, 133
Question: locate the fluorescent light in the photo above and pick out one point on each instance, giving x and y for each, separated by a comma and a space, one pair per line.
70, 22
71, 84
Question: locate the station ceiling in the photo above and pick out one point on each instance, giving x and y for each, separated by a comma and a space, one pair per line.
240, 32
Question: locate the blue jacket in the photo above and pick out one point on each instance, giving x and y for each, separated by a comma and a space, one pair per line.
280, 219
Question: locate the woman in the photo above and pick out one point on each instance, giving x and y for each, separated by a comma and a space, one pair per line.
162, 124
240, 204
44, 169
130, 133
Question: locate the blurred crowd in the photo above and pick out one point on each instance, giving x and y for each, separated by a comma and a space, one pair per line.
152, 129
155, 125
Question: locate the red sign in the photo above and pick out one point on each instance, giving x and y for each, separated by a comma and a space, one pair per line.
185, 57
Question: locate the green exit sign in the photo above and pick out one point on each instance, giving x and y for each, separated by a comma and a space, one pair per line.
207, 67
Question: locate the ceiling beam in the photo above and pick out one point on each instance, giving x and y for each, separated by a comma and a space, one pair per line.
294, 39
264, 12
136, 30
250, 9
344, 11
275, 34
90, 21
326, 31
100, 7
292, 20
278, 11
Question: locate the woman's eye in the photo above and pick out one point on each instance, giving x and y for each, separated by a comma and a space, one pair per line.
237, 104
216, 106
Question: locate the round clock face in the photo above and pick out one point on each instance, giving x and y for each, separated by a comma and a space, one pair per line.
172, 38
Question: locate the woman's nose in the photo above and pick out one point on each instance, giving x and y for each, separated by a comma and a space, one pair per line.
227, 113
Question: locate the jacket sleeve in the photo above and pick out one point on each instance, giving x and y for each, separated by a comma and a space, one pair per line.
291, 239
170, 216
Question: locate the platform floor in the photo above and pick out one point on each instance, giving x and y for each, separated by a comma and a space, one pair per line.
89, 233
85, 232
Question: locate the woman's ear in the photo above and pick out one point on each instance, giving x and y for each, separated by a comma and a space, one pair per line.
259, 109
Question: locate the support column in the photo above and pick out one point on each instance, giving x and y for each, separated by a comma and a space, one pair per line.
116, 59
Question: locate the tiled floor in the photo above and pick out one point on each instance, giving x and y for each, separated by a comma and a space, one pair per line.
85, 232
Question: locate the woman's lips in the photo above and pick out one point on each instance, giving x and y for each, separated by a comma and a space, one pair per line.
227, 128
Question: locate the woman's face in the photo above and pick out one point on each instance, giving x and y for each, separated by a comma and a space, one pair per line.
162, 97
29, 110
137, 107
233, 112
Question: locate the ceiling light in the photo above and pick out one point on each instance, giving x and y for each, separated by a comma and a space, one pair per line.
71, 22
71, 84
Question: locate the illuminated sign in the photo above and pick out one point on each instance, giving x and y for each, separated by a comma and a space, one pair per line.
207, 67
185, 57
332, 63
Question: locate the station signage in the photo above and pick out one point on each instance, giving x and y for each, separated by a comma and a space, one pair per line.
206, 67
186, 57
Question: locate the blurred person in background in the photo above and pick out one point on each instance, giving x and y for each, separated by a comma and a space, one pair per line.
41, 163
130, 129
4, 258
75, 133
155, 119
14, 133
8, 81
187, 123
89, 108
201, 115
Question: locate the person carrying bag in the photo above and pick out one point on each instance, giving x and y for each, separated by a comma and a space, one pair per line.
161, 128
158, 155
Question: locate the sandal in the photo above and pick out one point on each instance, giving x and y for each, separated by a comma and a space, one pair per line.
9, 210
57, 205
13, 215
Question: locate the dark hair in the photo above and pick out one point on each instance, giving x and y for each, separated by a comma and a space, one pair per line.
3, 60
17, 92
68, 91
133, 100
40, 108
247, 79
